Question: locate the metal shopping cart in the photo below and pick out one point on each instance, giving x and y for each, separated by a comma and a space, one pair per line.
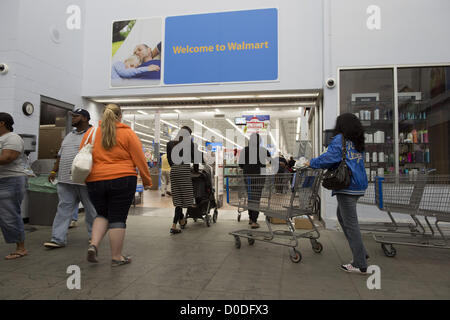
424, 196
259, 193
407, 189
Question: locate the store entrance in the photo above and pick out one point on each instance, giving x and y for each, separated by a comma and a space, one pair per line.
221, 125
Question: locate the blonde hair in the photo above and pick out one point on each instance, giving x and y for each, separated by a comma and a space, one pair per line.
111, 114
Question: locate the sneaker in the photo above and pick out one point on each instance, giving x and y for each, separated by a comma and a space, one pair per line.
367, 258
73, 224
351, 269
255, 225
53, 245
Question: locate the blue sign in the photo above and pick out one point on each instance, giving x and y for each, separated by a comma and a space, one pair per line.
212, 145
221, 47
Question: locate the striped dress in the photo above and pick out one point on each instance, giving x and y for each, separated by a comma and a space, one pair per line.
181, 185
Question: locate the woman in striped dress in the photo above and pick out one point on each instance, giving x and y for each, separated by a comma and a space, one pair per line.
180, 175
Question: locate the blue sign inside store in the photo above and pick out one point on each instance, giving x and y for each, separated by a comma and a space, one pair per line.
221, 47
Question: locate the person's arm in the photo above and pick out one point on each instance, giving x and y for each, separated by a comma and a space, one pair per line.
137, 155
55, 169
131, 72
8, 156
331, 157
12, 148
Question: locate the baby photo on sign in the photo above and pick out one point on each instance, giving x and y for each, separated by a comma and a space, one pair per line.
136, 53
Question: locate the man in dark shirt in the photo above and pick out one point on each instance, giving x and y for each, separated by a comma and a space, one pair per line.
251, 160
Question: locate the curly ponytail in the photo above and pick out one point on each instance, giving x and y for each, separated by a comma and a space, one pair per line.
111, 114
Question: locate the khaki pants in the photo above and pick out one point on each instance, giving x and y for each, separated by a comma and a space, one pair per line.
165, 182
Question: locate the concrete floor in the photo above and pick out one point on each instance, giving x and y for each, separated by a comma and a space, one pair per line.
202, 263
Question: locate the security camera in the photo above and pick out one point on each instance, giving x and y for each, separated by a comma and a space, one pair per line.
3, 68
331, 83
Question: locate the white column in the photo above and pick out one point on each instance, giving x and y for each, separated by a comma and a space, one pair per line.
157, 134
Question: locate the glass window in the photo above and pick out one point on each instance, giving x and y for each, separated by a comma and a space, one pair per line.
424, 119
369, 94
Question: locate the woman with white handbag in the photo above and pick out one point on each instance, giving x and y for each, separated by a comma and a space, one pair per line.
116, 153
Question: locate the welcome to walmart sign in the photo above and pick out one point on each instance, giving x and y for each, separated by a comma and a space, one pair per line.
221, 47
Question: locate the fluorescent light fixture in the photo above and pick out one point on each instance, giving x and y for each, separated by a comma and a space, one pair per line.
257, 109
289, 95
217, 110
177, 111
142, 112
146, 140
144, 134
298, 124
198, 122
170, 124
237, 128
227, 97
142, 125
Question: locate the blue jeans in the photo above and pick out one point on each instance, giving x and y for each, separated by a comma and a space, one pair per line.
348, 219
12, 191
70, 196
75, 213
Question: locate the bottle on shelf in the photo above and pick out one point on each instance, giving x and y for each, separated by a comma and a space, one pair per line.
376, 114
427, 155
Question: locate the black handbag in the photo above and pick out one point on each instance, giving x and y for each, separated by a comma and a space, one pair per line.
339, 177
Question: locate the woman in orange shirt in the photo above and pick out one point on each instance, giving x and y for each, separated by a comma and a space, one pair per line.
112, 182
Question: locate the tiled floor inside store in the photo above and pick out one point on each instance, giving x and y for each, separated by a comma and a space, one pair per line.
203, 263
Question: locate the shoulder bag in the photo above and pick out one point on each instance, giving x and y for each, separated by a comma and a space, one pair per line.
340, 177
82, 163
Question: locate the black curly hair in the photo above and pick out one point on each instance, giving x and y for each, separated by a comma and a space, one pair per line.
349, 125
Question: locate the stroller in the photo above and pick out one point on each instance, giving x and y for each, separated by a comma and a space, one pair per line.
204, 197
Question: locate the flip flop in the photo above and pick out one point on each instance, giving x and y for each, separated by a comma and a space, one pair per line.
92, 253
116, 263
15, 255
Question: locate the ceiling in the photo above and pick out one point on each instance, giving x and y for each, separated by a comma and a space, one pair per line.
213, 110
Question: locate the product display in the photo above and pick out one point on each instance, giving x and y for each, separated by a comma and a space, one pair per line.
414, 151
377, 117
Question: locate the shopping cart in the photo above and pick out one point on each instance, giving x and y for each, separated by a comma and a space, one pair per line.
424, 196
237, 194
407, 189
259, 193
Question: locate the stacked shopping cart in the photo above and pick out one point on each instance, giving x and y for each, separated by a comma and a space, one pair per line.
421, 197
282, 196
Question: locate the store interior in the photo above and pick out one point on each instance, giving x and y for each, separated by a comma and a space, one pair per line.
221, 124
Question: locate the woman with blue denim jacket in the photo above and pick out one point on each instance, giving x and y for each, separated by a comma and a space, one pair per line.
349, 127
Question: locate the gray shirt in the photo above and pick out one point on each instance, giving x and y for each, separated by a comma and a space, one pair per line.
12, 141
68, 151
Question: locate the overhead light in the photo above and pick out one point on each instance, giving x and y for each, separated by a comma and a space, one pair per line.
227, 97
237, 128
257, 109
142, 112
146, 140
209, 129
289, 95
176, 110
144, 134
142, 125
170, 124
298, 124
217, 110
